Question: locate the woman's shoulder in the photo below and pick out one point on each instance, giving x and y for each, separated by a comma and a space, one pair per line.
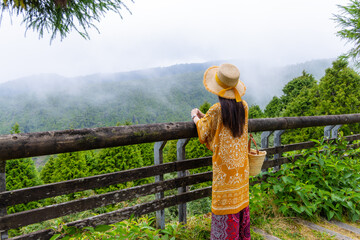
245, 104
214, 110
215, 106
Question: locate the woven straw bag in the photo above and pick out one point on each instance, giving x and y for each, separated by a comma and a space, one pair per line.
256, 158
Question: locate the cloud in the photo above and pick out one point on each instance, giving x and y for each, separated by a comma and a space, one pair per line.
162, 32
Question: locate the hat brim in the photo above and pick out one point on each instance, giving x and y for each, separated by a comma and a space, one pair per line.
212, 86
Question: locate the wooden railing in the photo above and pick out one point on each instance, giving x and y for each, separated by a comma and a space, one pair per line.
35, 144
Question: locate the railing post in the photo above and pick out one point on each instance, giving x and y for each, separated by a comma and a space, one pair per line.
265, 141
334, 131
158, 159
327, 131
3, 235
180, 150
277, 142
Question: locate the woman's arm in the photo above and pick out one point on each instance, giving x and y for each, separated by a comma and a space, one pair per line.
195, 115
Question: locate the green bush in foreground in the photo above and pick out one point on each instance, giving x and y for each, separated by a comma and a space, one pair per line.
324, 183
197, 228
141, 228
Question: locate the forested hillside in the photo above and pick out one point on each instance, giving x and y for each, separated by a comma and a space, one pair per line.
52, 102
148, 96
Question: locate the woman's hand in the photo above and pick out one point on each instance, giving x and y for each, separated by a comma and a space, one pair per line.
200, 114
194, 112
197, 112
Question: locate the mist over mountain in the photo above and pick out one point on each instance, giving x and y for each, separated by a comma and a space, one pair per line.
52, 102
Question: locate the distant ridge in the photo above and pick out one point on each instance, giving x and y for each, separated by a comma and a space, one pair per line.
53, 102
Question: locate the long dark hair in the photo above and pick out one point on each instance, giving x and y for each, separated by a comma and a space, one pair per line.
233, 115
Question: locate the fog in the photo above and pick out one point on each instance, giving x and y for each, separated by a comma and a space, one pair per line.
163, 33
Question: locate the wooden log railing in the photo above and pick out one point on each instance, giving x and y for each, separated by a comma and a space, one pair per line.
24, 145
35, 144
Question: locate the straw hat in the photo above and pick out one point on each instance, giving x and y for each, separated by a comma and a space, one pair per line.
224, 81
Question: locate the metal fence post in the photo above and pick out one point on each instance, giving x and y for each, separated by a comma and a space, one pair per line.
4, 234
327, 131
334, 131
180, 149
265, 141
158, 159
277, 142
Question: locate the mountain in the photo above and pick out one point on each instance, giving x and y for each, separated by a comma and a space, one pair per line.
52, 102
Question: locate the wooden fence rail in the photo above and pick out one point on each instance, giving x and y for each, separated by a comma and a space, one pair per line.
34, 144
24, 145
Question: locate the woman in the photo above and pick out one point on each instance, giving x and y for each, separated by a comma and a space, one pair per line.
224, 130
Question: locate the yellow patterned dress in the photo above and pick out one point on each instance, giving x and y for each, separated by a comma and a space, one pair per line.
230, 186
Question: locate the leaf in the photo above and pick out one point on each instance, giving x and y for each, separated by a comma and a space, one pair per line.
308, 212
278, 188
350, 204
296, 208
102, 228
287, 179
321, 161
56, 236
283, 209
330, 215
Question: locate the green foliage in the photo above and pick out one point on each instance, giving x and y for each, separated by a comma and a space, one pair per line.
336, 93
255, 112
15, 128
304, 104
273, 108
194, 149
293, 88
21, 173
147, 153
139, 98
118, 159
47, 172
169, 151
68, 166
141, 228
339, 90
349, 20
205, 107
324, 183
61, 16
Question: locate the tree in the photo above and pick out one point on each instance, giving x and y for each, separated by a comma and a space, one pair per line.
339, 90
147, 153
255, 112
299, 97
349, 21
293, 88
337, 93
69, 166
118, 159
47, 171
304, 104
21, 173
273, 108
205, 107
61, 16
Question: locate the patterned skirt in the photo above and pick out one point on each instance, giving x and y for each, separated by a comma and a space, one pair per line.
231, 226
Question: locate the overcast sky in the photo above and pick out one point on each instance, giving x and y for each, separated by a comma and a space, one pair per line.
166, 32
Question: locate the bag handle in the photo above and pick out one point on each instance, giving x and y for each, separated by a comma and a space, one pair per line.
249, 144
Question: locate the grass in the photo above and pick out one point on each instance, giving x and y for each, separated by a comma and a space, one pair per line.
340, 230
287, 228
198, 228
